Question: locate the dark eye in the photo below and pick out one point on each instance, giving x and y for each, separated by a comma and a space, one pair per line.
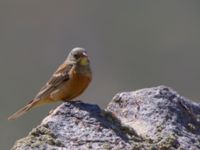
76, 56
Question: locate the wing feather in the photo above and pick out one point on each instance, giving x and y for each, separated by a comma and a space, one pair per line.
61, 74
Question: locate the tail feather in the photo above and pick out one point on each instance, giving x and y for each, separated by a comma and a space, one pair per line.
23, 110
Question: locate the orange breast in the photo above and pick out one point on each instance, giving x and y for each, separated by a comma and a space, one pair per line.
72, 88
79, 84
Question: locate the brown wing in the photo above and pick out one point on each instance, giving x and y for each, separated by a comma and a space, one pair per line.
61, 74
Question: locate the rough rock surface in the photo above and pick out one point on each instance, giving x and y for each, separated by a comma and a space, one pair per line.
152, 118
161, 116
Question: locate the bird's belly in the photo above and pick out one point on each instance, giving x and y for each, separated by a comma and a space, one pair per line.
71, 88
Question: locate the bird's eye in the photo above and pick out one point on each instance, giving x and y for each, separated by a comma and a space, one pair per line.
76, 56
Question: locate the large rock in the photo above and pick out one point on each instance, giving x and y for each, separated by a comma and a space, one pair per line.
153, 118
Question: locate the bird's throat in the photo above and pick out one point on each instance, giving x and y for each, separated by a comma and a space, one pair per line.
84, 61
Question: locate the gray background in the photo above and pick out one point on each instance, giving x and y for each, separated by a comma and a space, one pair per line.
132, 44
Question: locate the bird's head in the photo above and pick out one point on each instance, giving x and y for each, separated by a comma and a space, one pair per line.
78, 56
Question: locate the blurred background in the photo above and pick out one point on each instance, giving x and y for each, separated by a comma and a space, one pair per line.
132, 44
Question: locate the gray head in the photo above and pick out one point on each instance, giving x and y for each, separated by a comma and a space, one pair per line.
79, 56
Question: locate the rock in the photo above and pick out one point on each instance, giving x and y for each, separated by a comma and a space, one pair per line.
152, 118
161, 116
76, 125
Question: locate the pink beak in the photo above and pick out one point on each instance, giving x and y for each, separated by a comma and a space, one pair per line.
84, 54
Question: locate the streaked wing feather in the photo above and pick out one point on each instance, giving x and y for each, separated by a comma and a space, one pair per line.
62, 74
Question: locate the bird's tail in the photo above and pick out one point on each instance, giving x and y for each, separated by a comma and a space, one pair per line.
23, 110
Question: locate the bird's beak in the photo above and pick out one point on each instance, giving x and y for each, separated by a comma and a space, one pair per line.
84, 54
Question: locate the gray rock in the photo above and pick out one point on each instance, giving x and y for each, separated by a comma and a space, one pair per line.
76, 125
161, 116
153, 118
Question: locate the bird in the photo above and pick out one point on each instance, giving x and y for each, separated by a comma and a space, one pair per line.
68, 82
